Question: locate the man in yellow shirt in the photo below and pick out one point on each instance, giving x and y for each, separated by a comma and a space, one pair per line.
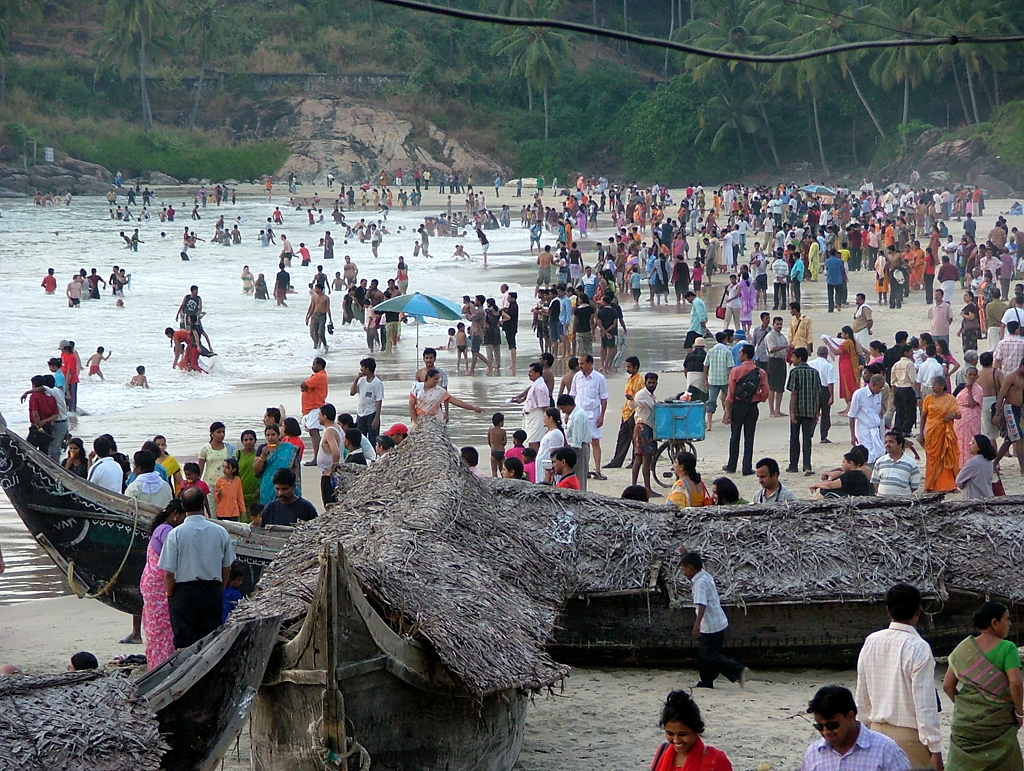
634, 384
799, 328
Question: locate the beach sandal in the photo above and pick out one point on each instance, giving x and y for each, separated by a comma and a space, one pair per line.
600, 477
131, 641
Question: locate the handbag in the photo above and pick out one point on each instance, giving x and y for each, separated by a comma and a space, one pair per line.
720, 312
997, 486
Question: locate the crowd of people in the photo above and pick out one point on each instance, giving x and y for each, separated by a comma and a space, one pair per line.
892, 722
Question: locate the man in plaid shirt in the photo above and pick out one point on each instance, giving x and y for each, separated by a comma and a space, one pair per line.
716, 370
804, 388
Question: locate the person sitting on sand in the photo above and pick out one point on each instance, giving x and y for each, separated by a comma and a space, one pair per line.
850, 479
683, 746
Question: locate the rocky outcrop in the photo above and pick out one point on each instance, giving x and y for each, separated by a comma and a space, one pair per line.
356, 140
955, 162
80, 177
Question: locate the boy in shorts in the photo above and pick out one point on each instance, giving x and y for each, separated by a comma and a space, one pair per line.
496, 441
461, 346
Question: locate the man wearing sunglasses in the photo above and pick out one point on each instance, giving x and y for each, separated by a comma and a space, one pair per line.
846, 743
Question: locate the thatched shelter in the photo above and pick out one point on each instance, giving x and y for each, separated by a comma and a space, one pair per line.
76, 721
481, 569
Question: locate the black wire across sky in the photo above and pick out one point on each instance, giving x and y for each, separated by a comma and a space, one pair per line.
630, 37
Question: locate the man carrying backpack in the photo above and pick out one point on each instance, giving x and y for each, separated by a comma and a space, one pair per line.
748, 387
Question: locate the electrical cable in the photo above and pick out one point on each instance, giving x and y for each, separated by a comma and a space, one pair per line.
630, 37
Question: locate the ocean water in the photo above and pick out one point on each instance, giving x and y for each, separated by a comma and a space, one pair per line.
253, 339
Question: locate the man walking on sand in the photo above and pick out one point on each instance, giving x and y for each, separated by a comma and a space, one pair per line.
896, 682
314, 396
709, 626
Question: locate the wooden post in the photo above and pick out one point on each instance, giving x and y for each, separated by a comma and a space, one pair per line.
334, 703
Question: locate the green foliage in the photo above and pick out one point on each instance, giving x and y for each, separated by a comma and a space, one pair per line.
1006, 135
661, 140
136, 152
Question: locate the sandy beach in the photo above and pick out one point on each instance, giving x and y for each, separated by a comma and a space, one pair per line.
602, 716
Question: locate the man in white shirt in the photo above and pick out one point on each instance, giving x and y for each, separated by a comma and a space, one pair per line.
535, 401
590, 390
106, 472
370, 390
577, 434
927, 371
827, 375
709, 626
865, 415
896, 682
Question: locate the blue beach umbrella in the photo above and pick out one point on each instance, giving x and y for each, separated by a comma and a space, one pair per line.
818, 190
421, 305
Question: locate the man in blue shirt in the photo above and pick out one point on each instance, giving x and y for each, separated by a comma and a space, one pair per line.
58, 377
698, 320
835, 279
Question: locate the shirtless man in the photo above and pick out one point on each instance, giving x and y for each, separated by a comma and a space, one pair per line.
991, 380
350, 271
74, 292
286, 251
317, 317
544, 260
1008, 413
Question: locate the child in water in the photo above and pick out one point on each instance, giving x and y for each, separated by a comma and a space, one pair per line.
139, 381
94, 362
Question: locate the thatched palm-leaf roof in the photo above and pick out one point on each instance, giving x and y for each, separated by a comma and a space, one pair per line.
480, 569
76, 721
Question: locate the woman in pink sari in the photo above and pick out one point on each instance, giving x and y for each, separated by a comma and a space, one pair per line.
426, 398
156, 617
969, 400
748, 297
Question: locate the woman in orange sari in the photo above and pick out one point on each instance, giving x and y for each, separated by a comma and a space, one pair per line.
916, 263
849, 365
942, 452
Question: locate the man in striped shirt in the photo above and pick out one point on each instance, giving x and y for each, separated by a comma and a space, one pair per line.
895, 473
896, 682
846, 744
716, 370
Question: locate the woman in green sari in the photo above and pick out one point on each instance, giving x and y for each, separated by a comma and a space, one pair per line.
275, 455
987, 710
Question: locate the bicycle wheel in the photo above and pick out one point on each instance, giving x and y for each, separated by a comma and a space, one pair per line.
666, 456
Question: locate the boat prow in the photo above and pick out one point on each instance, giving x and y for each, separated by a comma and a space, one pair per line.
97, 538
202, 695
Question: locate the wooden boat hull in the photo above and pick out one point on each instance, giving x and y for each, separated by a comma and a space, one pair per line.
96, 538
643, 629
346, 667
202, 695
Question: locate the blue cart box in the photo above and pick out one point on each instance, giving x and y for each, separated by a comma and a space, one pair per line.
679, 420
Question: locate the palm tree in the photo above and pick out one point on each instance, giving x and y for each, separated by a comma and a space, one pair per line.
733, 25
803, 78
11, 12
130, 26
731, 111
826, 24
205, 24
537, 52
900, 65
961, 18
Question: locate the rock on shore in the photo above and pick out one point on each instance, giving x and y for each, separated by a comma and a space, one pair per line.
355, 140
80, 177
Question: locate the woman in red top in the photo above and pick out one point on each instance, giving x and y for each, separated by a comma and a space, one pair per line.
683, 748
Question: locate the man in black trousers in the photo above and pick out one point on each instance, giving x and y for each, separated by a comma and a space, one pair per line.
196, 558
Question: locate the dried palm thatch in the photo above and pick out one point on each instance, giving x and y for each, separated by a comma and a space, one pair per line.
480, 569
74, 721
